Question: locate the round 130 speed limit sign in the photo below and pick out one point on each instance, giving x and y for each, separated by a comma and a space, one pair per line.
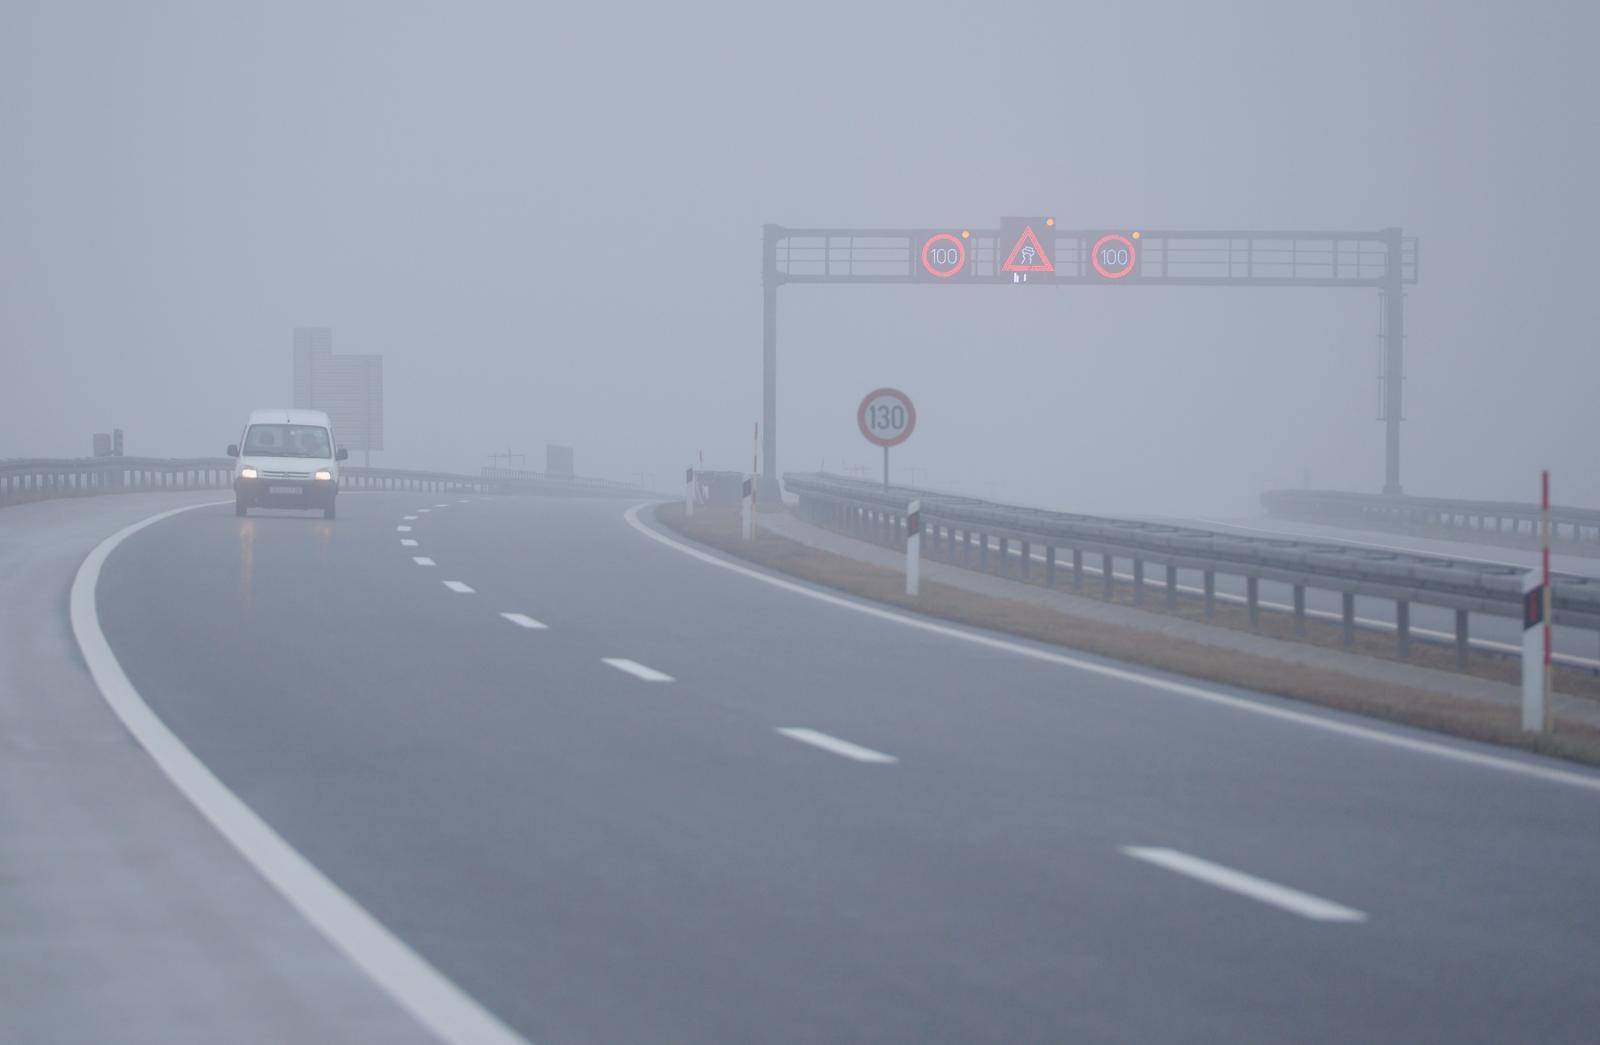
886, 417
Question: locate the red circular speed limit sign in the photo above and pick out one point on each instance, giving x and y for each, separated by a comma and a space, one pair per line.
886, 417
943, 255
1113, 255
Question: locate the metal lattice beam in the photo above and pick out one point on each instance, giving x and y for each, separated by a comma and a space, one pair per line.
1384, 259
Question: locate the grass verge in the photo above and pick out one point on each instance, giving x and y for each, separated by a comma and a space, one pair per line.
1459, 716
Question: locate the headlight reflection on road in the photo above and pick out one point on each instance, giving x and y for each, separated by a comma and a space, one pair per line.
247, 540
324, 532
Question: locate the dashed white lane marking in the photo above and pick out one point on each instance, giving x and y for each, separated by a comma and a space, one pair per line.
408, 518
839, 747
637, 670
1371, 734
424, 511
442, 1007
407, 542
459, 588
441, 506
402, 529
464, 502
522, 620
1271, 893
423, 560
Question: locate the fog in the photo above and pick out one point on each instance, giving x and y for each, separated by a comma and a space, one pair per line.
547, 219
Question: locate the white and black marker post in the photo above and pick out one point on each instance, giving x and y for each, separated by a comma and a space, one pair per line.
913, 547
688, 491
1536, 636
747, 508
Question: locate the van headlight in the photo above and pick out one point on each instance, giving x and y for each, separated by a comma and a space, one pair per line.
247, 473
324, 474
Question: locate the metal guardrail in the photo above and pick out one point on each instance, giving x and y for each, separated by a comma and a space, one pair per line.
1496, 521
961, 530
41, 478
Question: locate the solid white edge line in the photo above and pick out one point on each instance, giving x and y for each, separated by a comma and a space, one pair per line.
1437, 749
835, 745
438, 1004
461, 588
637, 670
1259, 889
423, 560
524, 621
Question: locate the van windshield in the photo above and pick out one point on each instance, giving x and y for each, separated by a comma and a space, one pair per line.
287, 441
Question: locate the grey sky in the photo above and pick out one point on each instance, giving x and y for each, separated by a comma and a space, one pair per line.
547, 219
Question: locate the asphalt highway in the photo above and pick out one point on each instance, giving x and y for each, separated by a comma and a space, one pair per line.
617, 793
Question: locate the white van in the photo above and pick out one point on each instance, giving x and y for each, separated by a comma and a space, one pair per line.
286, 459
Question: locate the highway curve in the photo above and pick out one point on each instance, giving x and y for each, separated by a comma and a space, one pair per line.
1012, 850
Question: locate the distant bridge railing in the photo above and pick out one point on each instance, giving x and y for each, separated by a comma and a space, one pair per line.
1499, 522
41, 478
962, 530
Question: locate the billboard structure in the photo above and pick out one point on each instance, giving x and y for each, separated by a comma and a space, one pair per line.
348, 388
558, 460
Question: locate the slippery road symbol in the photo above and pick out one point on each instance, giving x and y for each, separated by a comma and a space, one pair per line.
1028, 255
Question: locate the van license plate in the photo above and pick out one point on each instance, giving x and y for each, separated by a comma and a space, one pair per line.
283, 489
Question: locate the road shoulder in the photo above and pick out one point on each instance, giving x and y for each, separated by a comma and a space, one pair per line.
1397, 693
128, 916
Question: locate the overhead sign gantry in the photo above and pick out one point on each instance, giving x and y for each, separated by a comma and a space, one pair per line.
1035, 251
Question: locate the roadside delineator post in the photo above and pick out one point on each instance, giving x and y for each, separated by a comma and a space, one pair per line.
747, 508
1536, 636
913, 547
688, 492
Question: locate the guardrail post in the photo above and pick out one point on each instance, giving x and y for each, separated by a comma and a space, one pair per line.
1108, 576
1027, 559
1005, 557
1172, 587
1077, 569
1252, 596
1300, 610
1210, 584
1348, 615
1138, 582
1050, 566
1402, 626
1462, 641
983, 552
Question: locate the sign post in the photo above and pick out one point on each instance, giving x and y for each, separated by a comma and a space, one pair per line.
913, 547
887, 418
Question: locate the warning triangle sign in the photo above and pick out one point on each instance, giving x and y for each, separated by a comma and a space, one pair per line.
1028, 255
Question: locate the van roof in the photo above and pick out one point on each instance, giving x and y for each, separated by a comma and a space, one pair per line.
289, 416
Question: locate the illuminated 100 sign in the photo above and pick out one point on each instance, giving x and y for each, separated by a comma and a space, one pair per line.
1026, 251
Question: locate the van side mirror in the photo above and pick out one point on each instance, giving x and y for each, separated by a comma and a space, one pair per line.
342, 455
233, 450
